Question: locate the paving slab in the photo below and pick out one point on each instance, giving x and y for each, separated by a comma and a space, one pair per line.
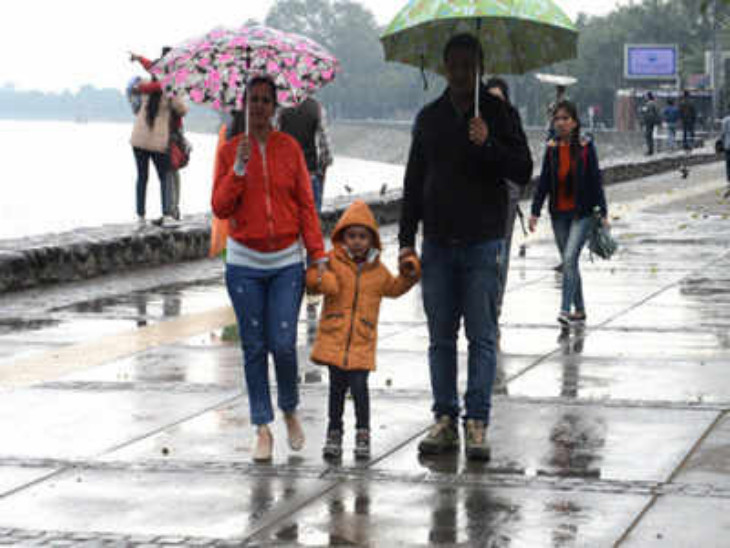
220, 366
651, 379
14, 477
72, 424
360, 513
156, 503
710, 464
684, 521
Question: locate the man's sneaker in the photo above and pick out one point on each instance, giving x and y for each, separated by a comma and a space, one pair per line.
476, 446
141, 221
333, 445
441, 438
362, 444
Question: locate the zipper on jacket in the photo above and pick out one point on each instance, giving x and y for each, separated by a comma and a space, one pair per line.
352, 318
267, 192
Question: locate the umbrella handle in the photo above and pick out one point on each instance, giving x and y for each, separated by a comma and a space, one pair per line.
239, 168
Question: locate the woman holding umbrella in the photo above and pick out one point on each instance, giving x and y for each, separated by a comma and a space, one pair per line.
270, 210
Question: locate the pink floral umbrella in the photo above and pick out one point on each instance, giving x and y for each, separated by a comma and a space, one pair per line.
214, 70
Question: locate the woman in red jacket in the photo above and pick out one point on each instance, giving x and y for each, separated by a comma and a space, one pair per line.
271, 216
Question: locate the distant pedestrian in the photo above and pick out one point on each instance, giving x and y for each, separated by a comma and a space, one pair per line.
307, 123
176, 132
151, 140
271, 219
725, 136
453, 186
499, 88
353, 285
688, 114
572, 179
650, 118
671, 117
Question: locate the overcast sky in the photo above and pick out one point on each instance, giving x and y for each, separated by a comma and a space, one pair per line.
62, 44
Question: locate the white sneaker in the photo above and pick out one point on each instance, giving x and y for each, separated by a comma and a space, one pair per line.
141, 221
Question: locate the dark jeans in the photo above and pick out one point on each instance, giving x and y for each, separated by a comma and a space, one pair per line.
461, 281
688, 136
317, 190
649, 137
357, 383
571, 233
267, 304
162, 165
727, 165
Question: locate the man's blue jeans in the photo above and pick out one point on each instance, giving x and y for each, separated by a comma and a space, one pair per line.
267, 304
571, 233
461, 281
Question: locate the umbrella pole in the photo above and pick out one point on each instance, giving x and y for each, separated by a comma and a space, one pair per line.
476, 93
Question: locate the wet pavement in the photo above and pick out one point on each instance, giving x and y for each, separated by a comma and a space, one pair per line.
124, 420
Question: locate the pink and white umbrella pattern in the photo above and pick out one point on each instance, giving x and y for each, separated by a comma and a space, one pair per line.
214, 69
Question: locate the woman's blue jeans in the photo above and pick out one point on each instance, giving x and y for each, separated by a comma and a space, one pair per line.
571, 233
461, 281
267, 304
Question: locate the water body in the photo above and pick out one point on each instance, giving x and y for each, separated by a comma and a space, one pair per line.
59, 176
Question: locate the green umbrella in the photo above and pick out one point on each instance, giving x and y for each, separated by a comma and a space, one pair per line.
517, 35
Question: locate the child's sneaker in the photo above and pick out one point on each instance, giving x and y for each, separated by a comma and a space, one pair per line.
333, 445
362, 444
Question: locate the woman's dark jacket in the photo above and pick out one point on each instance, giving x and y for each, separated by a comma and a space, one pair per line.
589, 187
455, 187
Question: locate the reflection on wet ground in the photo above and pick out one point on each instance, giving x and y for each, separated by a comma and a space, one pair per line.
597, 434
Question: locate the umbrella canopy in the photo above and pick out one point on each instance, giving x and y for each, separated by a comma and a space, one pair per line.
516, 35
215, 69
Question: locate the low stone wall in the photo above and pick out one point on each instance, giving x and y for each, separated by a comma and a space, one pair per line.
90, 252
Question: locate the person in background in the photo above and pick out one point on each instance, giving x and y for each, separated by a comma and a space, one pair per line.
272, 219
354, 284
688, 115
671, 116
650, 118
725, 136
454, 186
572, 178
176, 125
306, 122
150, 141
498, 87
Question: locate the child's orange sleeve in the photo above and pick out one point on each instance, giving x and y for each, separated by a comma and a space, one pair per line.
409, 274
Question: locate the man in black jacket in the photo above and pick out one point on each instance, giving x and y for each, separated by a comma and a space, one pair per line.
454, 187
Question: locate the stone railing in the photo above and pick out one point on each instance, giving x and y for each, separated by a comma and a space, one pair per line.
90, 252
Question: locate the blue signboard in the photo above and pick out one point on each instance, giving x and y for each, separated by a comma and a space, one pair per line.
651, 62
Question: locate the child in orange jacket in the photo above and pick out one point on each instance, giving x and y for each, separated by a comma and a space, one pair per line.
353, 284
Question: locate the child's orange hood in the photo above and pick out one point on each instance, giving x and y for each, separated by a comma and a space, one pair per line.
359, 213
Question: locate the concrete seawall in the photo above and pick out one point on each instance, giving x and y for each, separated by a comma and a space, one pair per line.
90, 252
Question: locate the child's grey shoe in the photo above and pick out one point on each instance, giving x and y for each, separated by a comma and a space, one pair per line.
362, 444
333, 445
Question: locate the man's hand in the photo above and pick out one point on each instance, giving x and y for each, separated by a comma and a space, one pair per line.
532, 224
478, 131
407, 269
